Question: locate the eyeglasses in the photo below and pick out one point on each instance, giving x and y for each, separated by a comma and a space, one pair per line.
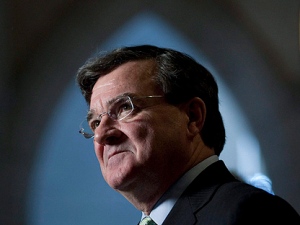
119, 109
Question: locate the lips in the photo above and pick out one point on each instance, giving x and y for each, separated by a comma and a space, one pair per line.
114, 152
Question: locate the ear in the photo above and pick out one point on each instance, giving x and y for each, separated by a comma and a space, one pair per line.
196, 111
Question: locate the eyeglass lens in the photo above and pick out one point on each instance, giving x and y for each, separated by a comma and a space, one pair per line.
117, 110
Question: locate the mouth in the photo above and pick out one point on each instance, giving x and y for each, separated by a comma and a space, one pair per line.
114, 153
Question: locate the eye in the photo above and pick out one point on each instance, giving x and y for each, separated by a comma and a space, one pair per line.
93, 124
126, 106
121, 108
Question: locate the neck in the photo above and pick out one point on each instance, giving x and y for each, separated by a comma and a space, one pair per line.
144, 197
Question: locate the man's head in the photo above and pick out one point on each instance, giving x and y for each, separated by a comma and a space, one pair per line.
154, 115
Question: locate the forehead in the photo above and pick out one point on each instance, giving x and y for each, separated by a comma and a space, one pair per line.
132, 77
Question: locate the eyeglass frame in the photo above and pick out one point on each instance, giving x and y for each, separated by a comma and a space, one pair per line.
108, 113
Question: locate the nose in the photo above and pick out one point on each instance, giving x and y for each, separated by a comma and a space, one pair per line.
107, 133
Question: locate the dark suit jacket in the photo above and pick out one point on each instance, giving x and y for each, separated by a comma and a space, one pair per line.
215, 197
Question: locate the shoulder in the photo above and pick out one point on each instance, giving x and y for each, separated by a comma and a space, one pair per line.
251, 205
216, 197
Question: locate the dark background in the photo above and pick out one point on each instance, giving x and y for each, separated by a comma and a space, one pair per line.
254, 44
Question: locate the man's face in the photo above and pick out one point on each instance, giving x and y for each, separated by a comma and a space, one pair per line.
152, 144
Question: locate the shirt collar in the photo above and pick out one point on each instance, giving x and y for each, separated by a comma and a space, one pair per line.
165, 204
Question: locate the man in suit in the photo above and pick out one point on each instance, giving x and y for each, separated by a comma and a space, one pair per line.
158, 133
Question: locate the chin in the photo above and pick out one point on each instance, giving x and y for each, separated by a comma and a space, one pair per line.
120, 181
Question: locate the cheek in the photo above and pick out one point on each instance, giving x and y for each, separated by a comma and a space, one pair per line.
170, 135
99, 152
141, 134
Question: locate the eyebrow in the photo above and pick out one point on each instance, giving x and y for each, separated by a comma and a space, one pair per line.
91, 113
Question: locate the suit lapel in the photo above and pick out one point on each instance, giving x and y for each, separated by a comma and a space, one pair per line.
198, 194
